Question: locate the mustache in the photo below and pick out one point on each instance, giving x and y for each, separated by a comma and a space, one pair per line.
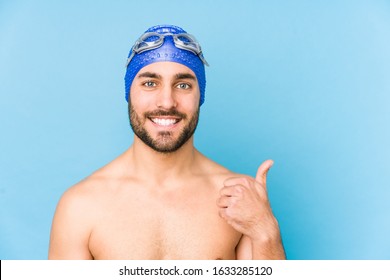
172, 112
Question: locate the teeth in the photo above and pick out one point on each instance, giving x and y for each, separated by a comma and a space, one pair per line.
164, 122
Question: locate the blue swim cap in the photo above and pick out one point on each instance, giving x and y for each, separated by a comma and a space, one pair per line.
168, 51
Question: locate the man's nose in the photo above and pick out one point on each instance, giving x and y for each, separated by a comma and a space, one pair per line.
166, 98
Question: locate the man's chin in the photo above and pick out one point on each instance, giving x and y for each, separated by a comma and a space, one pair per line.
166, 148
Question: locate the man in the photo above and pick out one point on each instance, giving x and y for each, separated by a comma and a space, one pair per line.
162, 199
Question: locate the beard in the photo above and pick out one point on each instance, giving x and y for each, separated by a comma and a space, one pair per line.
164, 142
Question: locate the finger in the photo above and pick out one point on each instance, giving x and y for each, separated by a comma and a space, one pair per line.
233, 191
233, 181
227, 191
222, 213
224, 201
261, 175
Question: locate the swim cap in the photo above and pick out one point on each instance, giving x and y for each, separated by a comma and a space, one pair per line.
168, 51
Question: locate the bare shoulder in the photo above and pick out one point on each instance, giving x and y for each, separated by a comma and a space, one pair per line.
79, 202
72, 223
215, 171
89, 192
77, 213
82, 194
93, 191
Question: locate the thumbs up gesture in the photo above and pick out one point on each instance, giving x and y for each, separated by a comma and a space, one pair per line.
244, 204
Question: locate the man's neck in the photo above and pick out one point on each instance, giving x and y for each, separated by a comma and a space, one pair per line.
161, 167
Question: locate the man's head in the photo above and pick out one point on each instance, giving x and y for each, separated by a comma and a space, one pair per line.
166, 43
165, 82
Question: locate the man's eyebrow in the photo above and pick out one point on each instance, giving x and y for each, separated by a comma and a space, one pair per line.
181, 76
149, 75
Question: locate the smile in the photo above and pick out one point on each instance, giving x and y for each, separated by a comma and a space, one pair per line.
165, 121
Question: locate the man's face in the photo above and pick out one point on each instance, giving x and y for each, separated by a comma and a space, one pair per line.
164, 105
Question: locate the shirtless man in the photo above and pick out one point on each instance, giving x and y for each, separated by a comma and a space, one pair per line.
163, 199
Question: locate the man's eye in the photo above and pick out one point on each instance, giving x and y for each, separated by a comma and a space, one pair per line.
149, 84
183, 86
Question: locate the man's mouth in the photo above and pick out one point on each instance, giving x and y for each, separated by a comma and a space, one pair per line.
165, 121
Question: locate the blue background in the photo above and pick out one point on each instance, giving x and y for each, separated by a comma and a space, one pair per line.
305, 83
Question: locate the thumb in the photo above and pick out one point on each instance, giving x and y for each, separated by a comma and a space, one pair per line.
261, 175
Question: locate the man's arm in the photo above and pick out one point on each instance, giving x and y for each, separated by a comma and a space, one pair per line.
245, 206
71, 228
268, 249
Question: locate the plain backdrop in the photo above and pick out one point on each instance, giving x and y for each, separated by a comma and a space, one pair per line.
306, 83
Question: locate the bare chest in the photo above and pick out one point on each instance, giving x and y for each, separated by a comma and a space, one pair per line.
168, 226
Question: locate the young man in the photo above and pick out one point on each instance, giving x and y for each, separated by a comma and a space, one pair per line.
162, 199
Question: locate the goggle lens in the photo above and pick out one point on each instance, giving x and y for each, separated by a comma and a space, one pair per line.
153, 40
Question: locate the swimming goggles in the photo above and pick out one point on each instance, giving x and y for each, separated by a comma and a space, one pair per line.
154, 40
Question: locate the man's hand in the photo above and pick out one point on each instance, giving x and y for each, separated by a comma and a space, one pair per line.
245, 206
